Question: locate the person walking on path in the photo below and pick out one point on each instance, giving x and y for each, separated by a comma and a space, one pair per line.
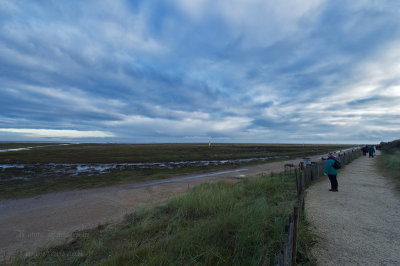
371, 151
332, 172
364, 150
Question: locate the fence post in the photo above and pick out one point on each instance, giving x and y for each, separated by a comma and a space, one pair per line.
272, 260
299, 180
286, 256
280, 258
295, 228
313, 172
301, 201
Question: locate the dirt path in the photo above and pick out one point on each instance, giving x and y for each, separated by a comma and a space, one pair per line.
359, 225
33, 222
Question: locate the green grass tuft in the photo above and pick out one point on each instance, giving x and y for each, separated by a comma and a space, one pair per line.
306, 240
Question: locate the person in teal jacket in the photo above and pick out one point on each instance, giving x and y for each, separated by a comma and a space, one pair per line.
331, 172
371, 151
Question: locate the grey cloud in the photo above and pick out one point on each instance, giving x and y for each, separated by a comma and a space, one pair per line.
156, 62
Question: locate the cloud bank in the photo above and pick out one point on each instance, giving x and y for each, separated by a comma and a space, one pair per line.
191, 71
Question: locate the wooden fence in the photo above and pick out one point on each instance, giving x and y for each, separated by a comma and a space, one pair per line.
305, 174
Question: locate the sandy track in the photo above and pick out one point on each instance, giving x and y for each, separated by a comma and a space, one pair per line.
27, 224
359, 225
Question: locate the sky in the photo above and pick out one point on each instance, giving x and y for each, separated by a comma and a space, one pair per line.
227, 71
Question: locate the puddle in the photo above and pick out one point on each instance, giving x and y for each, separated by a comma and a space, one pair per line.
16, 149
5, 166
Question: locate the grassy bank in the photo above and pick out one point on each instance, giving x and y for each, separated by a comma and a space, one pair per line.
389, 161
213, 224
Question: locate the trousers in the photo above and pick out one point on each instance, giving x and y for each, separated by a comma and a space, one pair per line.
334, 182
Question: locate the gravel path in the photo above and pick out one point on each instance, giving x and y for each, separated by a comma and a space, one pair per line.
360, 224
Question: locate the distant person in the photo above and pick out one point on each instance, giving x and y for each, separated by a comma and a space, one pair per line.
332, 172
364, 150
371, 151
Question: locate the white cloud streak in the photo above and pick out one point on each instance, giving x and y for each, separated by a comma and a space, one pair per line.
54, 133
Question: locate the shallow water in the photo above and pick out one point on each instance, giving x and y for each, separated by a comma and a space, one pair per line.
30, 148
16, 149
28, 171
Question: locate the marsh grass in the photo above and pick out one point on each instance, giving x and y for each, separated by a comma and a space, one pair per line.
133, 153
213, 224
120, 153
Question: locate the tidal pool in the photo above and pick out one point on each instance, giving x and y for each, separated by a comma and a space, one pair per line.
27, 171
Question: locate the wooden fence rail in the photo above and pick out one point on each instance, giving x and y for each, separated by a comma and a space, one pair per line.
305, 174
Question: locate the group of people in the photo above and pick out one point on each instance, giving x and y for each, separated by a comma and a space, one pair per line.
370, 149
